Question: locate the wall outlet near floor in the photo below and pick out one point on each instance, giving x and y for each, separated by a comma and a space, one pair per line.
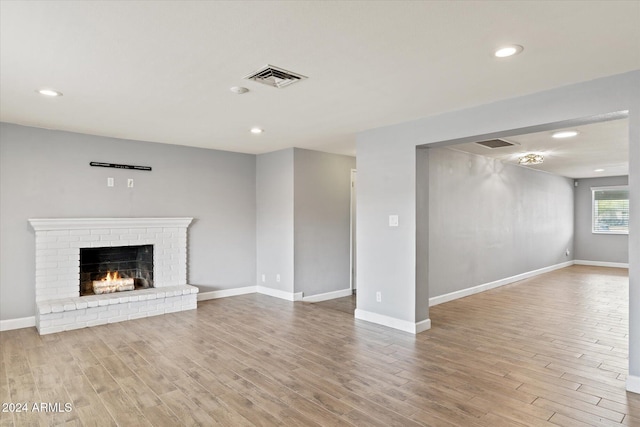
264, 278
277, 277
567, 252
378, 296
130, 182
109, 182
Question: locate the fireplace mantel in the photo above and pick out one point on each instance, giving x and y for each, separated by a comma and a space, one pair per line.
46, 224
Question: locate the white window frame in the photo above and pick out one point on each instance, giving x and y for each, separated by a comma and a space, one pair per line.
593, 209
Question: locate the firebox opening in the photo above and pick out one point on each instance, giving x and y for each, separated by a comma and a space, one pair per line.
115, 269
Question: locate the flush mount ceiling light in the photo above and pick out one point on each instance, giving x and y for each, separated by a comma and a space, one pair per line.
256, 131
507, 51
49, 92
598, 170
564, 134
239, 90
531, 159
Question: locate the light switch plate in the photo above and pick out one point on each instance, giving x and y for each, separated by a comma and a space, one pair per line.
393, 220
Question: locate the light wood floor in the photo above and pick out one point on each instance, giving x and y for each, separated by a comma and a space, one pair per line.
550, 350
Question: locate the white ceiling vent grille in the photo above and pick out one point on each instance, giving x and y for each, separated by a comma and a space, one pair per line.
274, 76
496, 143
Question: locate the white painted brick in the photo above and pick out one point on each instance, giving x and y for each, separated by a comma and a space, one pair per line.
70, 305
81, 305
57, 245
87, 317
118, 231
105, 314
103, 302
79, 232
63, 321
53, 330
69, 239
89, 238
57, 307
99, 231
44, 308
134, 316
97, 322
57, 233
76, 325
118, 319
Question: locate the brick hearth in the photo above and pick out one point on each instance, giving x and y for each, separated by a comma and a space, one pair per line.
58, 243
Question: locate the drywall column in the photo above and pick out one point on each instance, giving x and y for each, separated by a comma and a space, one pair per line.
633, 380
274, 202
387, 187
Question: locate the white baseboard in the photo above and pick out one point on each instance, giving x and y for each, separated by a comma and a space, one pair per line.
289, 296
328, 295
491, 285
633, 384
602, 263
392, 322
223, 293
23, 322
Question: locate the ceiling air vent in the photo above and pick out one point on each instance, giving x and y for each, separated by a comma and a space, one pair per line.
274, 76
496, 143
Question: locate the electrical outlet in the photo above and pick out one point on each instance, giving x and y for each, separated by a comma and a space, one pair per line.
277, 277
109, 182
378, 296
393, 220
264, 278
130, 182
567, 252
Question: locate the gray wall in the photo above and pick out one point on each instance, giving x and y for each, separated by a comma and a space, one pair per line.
274, 191
490, 220
597, 247
46, 174
322, 191
387, 184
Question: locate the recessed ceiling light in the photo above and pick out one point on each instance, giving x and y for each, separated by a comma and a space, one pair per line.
531, 159
507, 51
598, 170
49, 92
257, 131
564, 134
239, 90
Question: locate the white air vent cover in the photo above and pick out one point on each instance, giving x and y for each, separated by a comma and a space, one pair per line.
496, 143
274, 76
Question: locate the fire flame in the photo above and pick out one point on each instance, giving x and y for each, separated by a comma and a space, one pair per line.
110, 277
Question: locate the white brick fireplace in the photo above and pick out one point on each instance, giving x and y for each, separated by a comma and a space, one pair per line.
60, 307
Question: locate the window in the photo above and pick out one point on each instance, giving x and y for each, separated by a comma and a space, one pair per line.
610, 210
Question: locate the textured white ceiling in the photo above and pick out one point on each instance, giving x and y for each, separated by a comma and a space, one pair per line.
161, 70
602, 145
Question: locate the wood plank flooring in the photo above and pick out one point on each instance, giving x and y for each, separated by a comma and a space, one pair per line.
550, 350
